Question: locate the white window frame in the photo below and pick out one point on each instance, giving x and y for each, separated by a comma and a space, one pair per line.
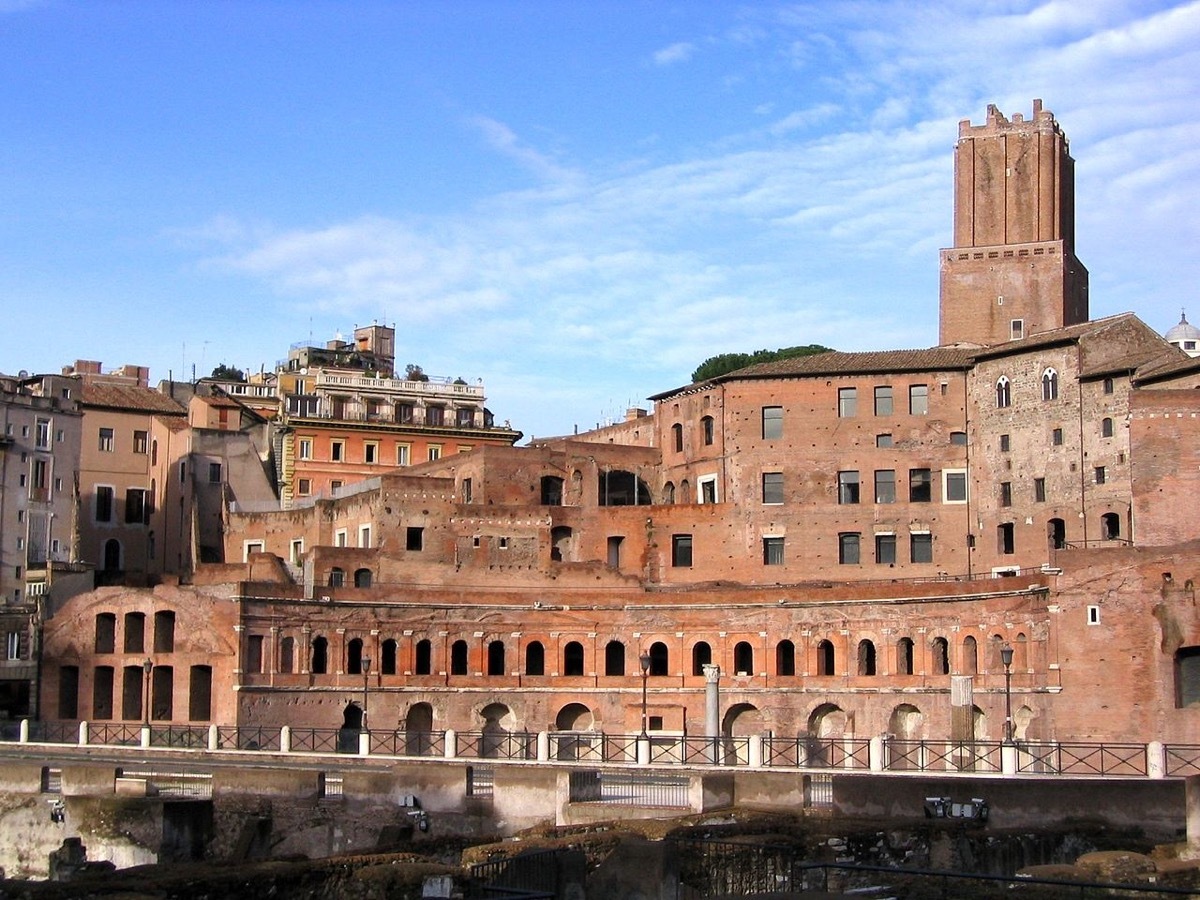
364, 536
434, 452
371, 453
1093, 615
703, 480
248, 547
404, 454
304, 447
296, 550
340, 537
14, 645
946, 473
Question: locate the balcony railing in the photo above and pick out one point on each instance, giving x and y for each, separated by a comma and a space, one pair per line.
435, 385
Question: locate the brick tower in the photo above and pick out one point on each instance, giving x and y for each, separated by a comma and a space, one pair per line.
1012, 270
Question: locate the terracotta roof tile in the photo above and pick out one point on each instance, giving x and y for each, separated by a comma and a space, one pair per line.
129, 397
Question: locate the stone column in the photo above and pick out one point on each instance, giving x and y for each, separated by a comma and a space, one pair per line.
962, 709
712, 701
1192, 804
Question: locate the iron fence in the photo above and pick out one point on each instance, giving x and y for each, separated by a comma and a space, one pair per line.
325, 740
481, 781
528, 876
173, 785
628, 788
944, 756
1182, 759
240, 737
189, 737
497, 745
1077, 758
577, 746
408, 743
54, 732
114, 734
818, 753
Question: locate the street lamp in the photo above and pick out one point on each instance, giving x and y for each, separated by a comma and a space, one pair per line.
644, 659
147, 667
1006, 657
366, 668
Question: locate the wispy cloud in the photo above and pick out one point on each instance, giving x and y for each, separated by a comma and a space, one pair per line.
505, 141
675, 53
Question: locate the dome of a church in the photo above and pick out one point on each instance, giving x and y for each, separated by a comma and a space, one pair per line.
1185, 336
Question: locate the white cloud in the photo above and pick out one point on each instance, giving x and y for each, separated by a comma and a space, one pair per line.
676, 53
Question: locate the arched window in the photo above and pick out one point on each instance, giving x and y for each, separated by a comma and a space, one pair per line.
458, 658
677, 437
535, 658
701, 657
970, 660
387, 665
1110, 526
941, 656
669, 493
424, 661
785, 658
573, 658
866, 658
495, 658
660, 658
1106, 427
362, 578
1021, 651
706, 427
337, 577
685, 491
614, 658
743, 658
1050, 385
1003, 392
354, 653
320, 656
825, 658
904, 656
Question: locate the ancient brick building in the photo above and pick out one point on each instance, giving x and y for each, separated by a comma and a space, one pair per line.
845, 535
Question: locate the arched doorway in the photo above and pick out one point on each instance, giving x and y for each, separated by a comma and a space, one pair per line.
826, 725
560, 543
740, 722
497, 722
573, 718
112, 555
418, 729
352, 726
904, 726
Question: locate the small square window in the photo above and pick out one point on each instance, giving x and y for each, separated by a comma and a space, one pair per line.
414, 538
918, 399
772, 551
772, 487
106, 440
435, 452
921, 547
847, 487
883, 440
140, 442
681, 550
954, 486
885, 549
849, 549
214, 473
304, 486
958, 438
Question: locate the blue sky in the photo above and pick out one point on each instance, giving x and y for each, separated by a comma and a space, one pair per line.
575, 202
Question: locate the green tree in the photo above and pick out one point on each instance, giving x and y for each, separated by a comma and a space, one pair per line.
413, 372
724, 363
228, 373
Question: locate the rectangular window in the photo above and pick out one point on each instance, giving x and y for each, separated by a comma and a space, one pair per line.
883, 400
847, 487
467, 490
364, 536
885, 485
435, 452
772, 487
141, 442
104, 503
403, 454
182, 472
370, 453
339, 538
296, 555
708, 488
137, 510
958, 438
1005, 444
303, 487
954, 486
772, 551
42, 434
1006, 493
1039, 490
214, 473
1006, 534
304, 448
404, 413
14, 645
847, 402
1100, 475
849, 551
106, 440
681, 550
337, 451
920, 486
1017, 329
414, 538
918, 399
1108, 385
335, 485
1056, 437
885, 549
920, 547
772, 423
883, 440
435, 415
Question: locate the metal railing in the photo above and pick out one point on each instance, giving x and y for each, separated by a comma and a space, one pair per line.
628, 788
325, 740
408, 743
238, 737
497, 745
54, 732
528, 876
1079, 758
173, 785
114, 734
1183, 759
945, 756
189, 737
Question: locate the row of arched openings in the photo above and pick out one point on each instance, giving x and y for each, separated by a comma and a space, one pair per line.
573, 661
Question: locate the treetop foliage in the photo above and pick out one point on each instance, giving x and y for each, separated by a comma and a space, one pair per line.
228, 373
731, 362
